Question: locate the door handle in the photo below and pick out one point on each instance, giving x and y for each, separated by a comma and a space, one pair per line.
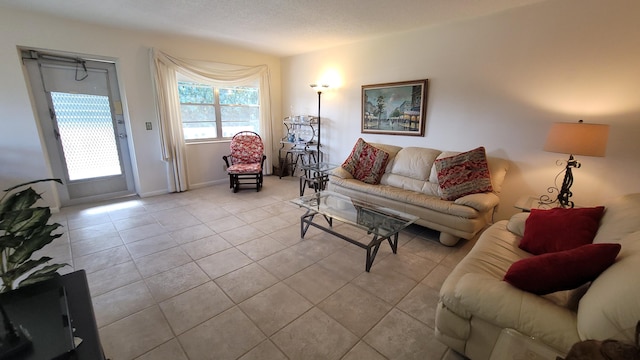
122, 135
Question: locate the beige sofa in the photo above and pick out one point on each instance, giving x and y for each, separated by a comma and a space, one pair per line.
410, 184
476, 305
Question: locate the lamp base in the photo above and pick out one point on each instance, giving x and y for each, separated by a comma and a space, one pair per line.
564, 193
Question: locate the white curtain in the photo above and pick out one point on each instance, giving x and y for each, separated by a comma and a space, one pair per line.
164, 68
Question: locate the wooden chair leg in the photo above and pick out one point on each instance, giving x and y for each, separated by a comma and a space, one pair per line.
236, 183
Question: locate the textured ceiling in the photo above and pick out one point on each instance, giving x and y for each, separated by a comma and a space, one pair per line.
279, 27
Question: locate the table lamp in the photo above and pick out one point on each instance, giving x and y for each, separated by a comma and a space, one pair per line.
574, 139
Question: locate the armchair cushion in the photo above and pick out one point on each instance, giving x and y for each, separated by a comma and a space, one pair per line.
244, 168
246, 148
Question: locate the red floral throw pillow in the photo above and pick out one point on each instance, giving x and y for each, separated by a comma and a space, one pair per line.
464, 174
563, 270
560, 229
366, 163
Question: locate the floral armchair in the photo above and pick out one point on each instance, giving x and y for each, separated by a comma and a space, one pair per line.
245, 163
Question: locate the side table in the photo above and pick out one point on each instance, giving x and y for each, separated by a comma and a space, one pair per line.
294, 157
526, 203
315, 176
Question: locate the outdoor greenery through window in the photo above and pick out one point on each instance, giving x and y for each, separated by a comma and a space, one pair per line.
212, 112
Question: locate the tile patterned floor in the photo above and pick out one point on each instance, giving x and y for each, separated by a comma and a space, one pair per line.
209, 274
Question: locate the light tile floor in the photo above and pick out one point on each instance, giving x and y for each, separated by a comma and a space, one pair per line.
209, 274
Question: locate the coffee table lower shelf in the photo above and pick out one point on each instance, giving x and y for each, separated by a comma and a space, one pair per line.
372, 247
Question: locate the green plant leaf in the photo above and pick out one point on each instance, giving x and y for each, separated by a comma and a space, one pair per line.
25, 199
45, 273
48, 229
28, 219
29, 246
10, 241
32, 182
25, 220
24, 229
20, 199
8, 203
14, 273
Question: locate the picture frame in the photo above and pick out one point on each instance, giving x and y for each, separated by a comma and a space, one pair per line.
397, 108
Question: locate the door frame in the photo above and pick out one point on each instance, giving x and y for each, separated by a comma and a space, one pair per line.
44, 124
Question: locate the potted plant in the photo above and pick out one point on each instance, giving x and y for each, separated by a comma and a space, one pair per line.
24, 229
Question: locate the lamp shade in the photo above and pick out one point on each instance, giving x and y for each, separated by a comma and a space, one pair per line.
578, 139
319, 87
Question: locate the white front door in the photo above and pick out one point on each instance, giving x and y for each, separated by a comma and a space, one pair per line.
82, 123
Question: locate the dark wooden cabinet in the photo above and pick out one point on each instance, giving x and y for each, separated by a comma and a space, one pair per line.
55, 312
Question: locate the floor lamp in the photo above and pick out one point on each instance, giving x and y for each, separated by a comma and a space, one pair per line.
318, 89
573, 139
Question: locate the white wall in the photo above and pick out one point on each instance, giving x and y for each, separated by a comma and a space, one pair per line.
499, 81
22, 155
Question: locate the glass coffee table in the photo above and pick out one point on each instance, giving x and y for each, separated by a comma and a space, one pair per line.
380, 222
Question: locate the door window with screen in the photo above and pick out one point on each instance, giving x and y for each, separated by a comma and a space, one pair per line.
212, 112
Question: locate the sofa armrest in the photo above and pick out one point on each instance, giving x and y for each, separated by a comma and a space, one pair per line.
506, 306
482, 202
341, 173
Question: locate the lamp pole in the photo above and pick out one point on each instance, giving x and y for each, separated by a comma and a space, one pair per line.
319, 88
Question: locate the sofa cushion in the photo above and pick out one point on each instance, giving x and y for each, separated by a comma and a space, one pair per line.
610, 309
562, 270
404, 182
620, 219
410, 170
366, 163
414, 162
464, 174
508, 307
560, 229
474, 289
439, 210
491, 255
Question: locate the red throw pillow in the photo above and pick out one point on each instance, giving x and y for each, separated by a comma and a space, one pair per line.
560, 229
563, 270
464, 174
366, 163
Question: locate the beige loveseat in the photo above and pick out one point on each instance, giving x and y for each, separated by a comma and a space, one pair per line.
410, 184
476, 305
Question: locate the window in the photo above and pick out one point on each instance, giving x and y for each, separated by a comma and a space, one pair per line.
217, 112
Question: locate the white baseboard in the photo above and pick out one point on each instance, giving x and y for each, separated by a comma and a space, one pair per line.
208, 183
153, 193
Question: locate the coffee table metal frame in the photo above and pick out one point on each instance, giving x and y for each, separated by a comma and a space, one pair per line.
383, 223
315, 176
